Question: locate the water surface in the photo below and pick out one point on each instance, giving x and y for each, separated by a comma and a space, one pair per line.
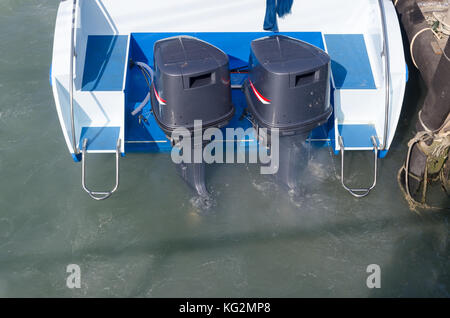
153, 239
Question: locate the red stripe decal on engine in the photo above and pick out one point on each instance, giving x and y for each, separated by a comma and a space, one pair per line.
160, 100
261, 98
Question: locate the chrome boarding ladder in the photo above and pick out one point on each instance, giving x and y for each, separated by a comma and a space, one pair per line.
98, 195
359, 192
362, 192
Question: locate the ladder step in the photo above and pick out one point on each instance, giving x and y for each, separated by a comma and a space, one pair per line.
359, 192
98, 195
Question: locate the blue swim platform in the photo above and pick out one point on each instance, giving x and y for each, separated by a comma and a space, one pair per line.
349, 61
105, 63
357, 136
100, 138
147, 136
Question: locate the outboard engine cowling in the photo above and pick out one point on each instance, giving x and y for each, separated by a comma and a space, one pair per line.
288, 86
192, 82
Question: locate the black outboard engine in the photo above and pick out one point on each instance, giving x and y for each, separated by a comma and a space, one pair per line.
288, 88
191, 82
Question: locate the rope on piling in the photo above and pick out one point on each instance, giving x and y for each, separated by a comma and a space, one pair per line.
439, 29
412, 45
435, 144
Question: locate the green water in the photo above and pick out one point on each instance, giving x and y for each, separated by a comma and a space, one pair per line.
152, 239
